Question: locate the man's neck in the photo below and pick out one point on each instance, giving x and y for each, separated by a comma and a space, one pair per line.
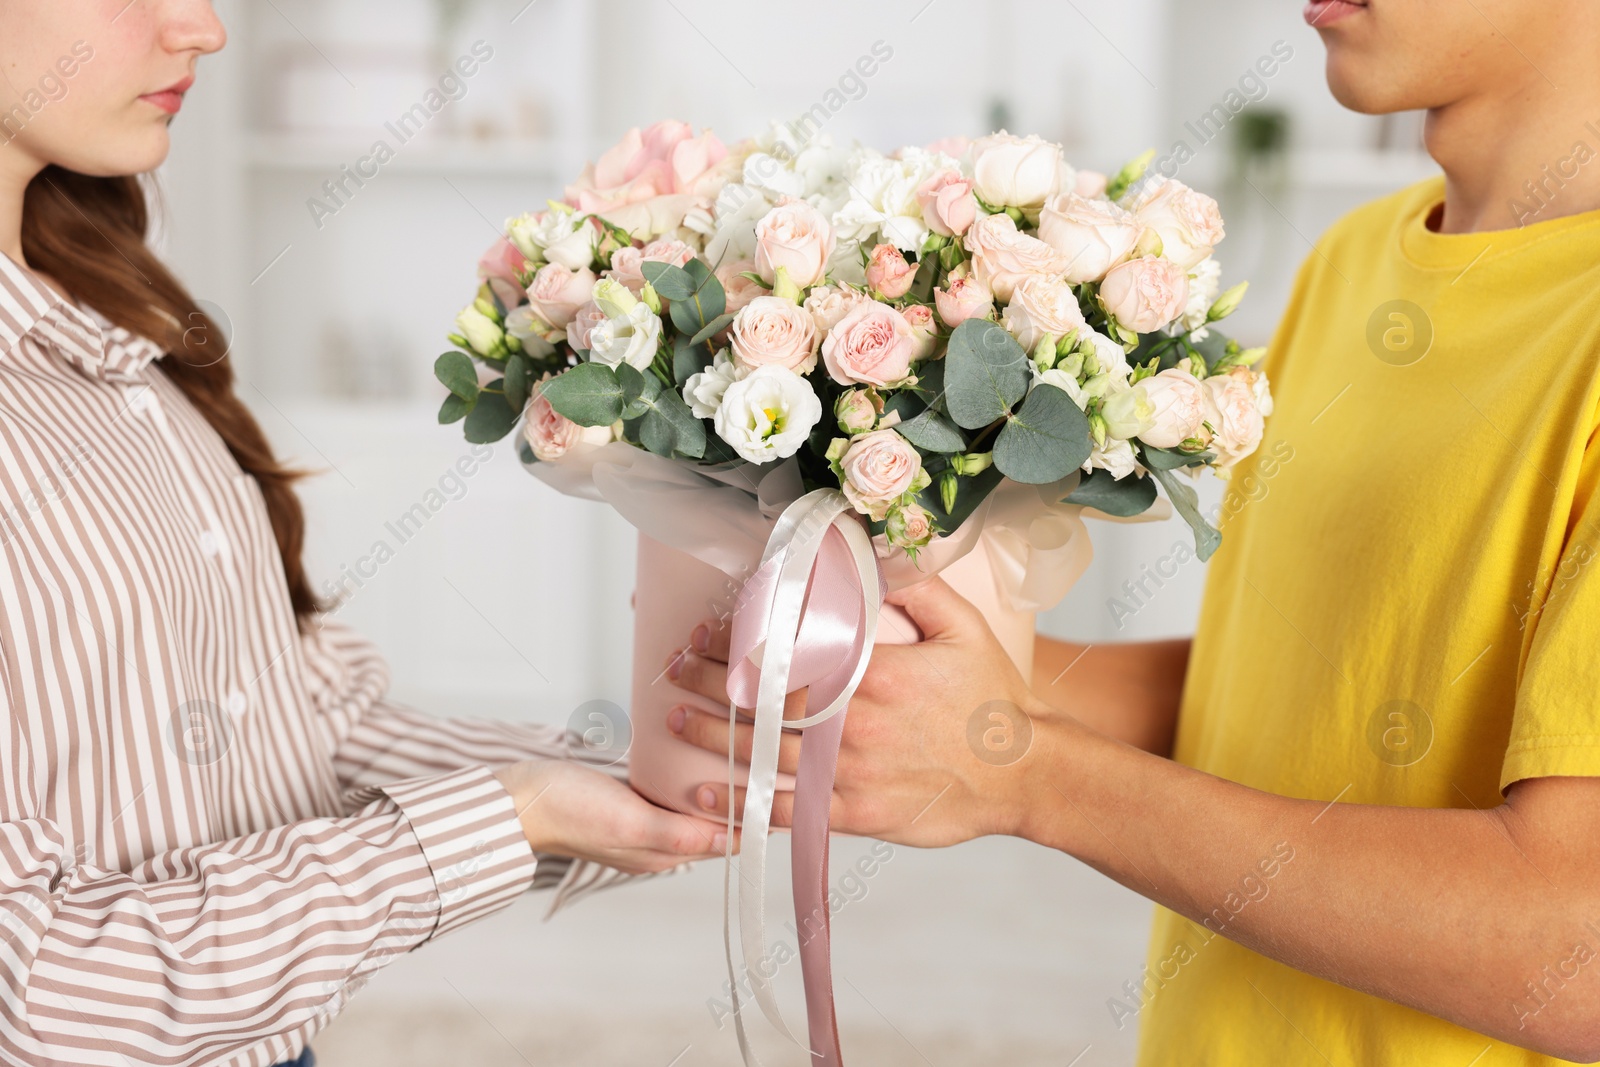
1519, 158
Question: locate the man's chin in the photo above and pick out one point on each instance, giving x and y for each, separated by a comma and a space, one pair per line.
1366, 88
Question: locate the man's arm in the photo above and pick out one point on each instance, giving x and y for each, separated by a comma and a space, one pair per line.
1449, 911
1128, 691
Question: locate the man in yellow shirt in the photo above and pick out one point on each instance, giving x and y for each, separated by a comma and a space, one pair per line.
1377, 838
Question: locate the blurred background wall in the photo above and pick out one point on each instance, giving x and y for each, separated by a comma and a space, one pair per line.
513, 601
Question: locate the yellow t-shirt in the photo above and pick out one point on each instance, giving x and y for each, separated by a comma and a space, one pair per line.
1406, 606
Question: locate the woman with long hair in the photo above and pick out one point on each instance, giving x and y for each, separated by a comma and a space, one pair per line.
213, 826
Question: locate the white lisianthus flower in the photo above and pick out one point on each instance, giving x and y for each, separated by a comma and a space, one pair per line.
883, 198
1117, 457
1128, 412
1060, 379
629, 332
768, 414
1205, 281
481, 332
703, 391
559, 235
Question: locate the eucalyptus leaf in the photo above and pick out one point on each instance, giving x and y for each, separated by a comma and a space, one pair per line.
639, 390
1168, 459
1046, 440
588, 394
986, 372
672, 282
688, 358
519, 380
669, 428
933, 432
1122, 497
454, 409
711, 328
456, 371
491, 418
1184, 498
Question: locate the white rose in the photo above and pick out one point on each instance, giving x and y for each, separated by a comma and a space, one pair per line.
830, 303
630, 338
768, 414
703, 392
1179, 407
1020, 172
1093, 235
1041, 305
1189, 222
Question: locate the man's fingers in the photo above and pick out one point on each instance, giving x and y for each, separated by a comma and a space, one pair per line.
709, 677
710, 638
711, 732
938, 610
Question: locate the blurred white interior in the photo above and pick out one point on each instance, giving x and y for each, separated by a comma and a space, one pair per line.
513, 601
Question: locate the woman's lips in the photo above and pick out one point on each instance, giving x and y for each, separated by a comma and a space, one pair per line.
1320, 13
170, 99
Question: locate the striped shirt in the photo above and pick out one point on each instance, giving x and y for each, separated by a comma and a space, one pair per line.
212, 827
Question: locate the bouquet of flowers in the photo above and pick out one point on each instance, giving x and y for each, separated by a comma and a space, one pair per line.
911, 328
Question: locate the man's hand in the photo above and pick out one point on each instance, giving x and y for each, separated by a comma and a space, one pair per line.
570, 810
937, 737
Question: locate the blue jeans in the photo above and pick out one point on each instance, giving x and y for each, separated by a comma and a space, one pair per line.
305, 1059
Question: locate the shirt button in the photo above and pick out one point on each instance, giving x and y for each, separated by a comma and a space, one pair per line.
237, 704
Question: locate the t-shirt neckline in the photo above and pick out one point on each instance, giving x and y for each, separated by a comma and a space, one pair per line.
1438, 251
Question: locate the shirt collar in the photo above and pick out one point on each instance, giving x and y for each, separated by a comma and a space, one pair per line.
84, 337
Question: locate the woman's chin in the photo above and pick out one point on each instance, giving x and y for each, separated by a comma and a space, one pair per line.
122, 156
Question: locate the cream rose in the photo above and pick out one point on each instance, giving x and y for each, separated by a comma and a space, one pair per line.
1041, 306
797, 237
1093, 235
588, 317
889, 273
738, 289
966, 298
948, 206
772, 331
551, 435
1189, 222
1234, 414
909, 526
768, 414
1002, 255
1019, 172
872, 345
557, 293
879, 468
1177, 407
855, 411
923, 328
828, 304
1145, 294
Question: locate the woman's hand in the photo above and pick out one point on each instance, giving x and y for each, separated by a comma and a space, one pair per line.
939, 740
571, 810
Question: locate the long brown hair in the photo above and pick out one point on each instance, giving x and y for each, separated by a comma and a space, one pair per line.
67, 220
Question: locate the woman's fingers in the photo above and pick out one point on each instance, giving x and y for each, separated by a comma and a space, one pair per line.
710, 638
711, 732
713, 798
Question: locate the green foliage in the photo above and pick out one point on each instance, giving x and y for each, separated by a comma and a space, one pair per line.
588, 394
1122, 497
986, 372
1046, 440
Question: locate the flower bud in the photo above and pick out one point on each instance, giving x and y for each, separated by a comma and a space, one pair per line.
786, 288
971, 463
948, 488
483, 335
613, 298
855, 411
910, 527
1227, 303
651, 298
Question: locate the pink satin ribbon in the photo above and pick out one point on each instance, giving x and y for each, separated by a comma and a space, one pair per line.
825, 653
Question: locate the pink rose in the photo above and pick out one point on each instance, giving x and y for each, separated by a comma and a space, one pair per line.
923, 328
627, 263
550, 434
1041, 306
500, 266
879, 468
772, 331
557, 293
797, 237
830, 303
872, 345
966, 298
1234, 412
738, 289
1177, 403
889, 273
1189, 223
948, 206
588, 317
1090, 184
1145, 294
1093, 235
1002, 255
660, 160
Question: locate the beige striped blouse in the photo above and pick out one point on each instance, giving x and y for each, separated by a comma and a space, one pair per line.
212, 828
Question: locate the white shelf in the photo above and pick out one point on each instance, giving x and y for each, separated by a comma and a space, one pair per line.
439, 155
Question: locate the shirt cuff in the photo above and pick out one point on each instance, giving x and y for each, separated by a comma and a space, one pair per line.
471, 837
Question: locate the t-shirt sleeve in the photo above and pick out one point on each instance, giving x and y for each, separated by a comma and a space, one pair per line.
1555, 730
